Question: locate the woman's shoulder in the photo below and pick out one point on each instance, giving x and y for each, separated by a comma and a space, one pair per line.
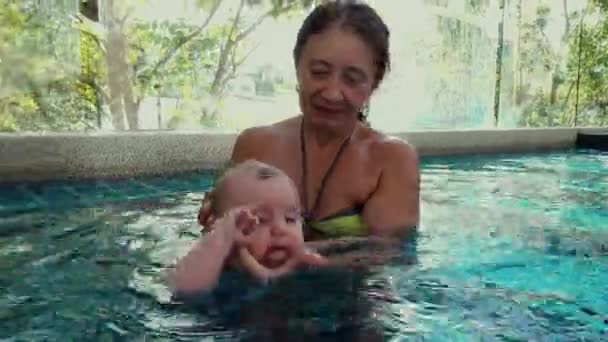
267, 133
387, 147
260, 142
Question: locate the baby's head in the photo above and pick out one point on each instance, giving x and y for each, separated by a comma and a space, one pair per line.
253, 183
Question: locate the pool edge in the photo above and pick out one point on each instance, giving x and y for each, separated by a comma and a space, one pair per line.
59, 156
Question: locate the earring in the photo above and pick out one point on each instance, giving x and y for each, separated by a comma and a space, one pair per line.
365, 108
363, 112
298, 88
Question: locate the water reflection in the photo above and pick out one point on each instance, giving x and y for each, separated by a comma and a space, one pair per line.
509, 248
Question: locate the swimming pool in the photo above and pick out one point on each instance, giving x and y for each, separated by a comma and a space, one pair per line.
511, 247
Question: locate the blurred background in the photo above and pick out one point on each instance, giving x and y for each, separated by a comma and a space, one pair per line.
224, 65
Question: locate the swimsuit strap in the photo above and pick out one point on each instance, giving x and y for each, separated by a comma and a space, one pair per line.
309, 215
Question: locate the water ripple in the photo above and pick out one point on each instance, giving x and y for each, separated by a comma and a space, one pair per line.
510, 248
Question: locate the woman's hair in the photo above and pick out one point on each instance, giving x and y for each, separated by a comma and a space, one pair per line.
359, 18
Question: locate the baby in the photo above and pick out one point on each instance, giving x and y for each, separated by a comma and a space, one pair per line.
257, 229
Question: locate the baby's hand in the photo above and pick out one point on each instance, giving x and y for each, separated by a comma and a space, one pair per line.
236, 225
205, 218
253, 232
200, 268
298, 256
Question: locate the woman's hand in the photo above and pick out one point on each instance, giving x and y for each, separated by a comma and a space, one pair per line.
298, 256
205, 217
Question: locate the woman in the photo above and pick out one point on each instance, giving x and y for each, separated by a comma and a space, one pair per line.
353, 181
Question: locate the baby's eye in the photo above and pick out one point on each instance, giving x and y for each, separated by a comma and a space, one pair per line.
263, 219
291, 219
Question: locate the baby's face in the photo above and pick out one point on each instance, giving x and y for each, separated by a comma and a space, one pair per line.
278, 211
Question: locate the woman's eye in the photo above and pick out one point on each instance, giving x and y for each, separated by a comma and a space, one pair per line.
319, 73
353, 79
291, 219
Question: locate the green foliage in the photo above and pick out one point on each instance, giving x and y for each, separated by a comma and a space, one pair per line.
462, 56
18, 106
602, 5
540, 113
535, 47
586, 67
47, 91
54, 75
279, 7
477, 7
593, 89
92, 73
54, 70
189, 72
39, 78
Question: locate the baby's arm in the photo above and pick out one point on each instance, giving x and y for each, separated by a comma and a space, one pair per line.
201, 268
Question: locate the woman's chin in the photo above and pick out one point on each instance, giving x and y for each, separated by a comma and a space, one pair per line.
332, 122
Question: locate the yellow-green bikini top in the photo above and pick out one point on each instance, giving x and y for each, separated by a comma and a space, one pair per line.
347, 222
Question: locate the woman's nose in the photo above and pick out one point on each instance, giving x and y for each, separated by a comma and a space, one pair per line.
332, 90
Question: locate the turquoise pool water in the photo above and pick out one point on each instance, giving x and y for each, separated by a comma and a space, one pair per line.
510, 248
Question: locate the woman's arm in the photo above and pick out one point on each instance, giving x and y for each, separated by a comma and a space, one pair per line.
355, 252
393, 209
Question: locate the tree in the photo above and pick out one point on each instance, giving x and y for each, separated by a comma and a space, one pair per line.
586, 67
462, 64
499, 55
117, 70
129, 85
38, 87
536, 58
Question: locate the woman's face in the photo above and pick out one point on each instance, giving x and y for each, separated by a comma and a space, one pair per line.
336, 77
